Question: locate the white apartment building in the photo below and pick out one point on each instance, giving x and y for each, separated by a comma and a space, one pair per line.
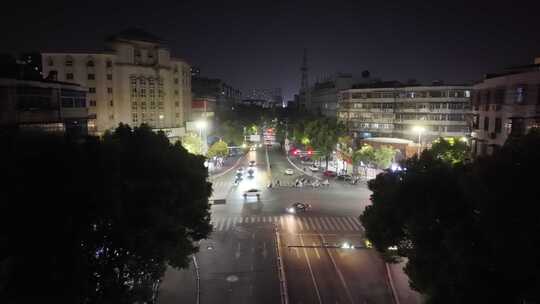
393, 110
134, 81
505, 104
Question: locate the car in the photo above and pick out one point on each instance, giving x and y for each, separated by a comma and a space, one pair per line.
252, 163
251, 172
313, 168
289, 171
298, 207
240, 170
253, 192
329, 173
345, 177
252, 148
368, 244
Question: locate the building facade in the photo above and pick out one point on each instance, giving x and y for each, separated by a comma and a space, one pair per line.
215, 91
44, 105
273, 96
134, 81
393, 110
505, 104
324, 94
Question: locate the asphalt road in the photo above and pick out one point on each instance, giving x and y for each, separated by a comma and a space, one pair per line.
238, 263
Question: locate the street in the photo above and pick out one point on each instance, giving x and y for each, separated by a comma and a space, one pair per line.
238, 263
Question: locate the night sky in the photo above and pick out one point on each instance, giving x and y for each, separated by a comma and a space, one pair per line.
259, 44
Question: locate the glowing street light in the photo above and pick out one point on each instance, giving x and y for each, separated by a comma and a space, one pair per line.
419, 130
201, 125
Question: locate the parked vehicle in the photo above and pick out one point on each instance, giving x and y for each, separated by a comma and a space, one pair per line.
329, 173
289, 171
313, 168
345, 177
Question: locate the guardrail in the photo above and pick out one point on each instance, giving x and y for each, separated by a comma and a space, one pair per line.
281, 270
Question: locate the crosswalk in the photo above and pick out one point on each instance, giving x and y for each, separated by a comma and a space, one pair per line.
220, 189
293, 224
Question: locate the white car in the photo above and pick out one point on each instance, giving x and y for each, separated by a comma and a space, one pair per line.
289, 171
253, 192
313, 168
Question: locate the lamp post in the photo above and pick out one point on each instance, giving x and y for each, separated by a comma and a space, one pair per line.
201, 125
419, 130
161, 116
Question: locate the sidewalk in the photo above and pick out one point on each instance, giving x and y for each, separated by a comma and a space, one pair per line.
404, 294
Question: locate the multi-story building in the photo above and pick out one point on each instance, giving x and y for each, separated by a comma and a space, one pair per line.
505, 104
134, 81
324, 94
46, 105
273, 96
390, 109
215, 90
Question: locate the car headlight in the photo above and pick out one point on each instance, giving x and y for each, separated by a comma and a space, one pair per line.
346, 245
291, 210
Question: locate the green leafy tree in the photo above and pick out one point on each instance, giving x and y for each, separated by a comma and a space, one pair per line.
231, 132
101, 219
323, 135
453, 150
383, 157
219, 148
465, 228
192, 143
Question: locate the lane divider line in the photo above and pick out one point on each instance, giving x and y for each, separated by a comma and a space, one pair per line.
340, 275
281, 270
391, 282
311, 271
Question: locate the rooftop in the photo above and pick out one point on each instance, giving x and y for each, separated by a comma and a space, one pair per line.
136, 34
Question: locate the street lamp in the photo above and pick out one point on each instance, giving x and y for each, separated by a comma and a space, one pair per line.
161, 120
201, 125
419, 130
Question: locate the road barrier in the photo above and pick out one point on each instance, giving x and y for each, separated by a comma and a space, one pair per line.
281, 270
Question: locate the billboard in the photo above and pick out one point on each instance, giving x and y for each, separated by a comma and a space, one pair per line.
256, 138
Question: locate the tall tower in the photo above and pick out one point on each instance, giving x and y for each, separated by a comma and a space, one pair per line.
304, 86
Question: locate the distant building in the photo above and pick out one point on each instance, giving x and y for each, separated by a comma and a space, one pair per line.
324, 94
223, 95
45, 105
390, 109
195, 71
134, 81
505, 104
273, 96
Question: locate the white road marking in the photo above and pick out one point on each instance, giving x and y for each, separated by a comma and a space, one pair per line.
340, 275
338, 220
311, 272
349, 227
311, 222
299, 220
355, 227
306, 223
330, 224
323, 223
316, 250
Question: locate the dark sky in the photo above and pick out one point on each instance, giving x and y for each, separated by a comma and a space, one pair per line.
259, 43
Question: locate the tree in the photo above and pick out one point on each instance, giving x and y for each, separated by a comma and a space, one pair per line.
383, 157
101, 219
465, 228
453, 150
323, 135
192, 143
219, 148
231, 132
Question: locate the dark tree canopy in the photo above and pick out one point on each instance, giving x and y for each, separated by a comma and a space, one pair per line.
97, 222
470, 232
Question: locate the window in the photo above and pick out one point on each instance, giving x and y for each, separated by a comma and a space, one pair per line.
176, 92
134, 92
111, 103
109, 64
177, 115
142, 81
92, 103
109, 76
50, 61
109, 90
176, 104
91, 90
498, 125
111, 117
176, 81
90, 63
143, 92
133, 80
520, 93
91, 76
69, 76
486, 123
69, 61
